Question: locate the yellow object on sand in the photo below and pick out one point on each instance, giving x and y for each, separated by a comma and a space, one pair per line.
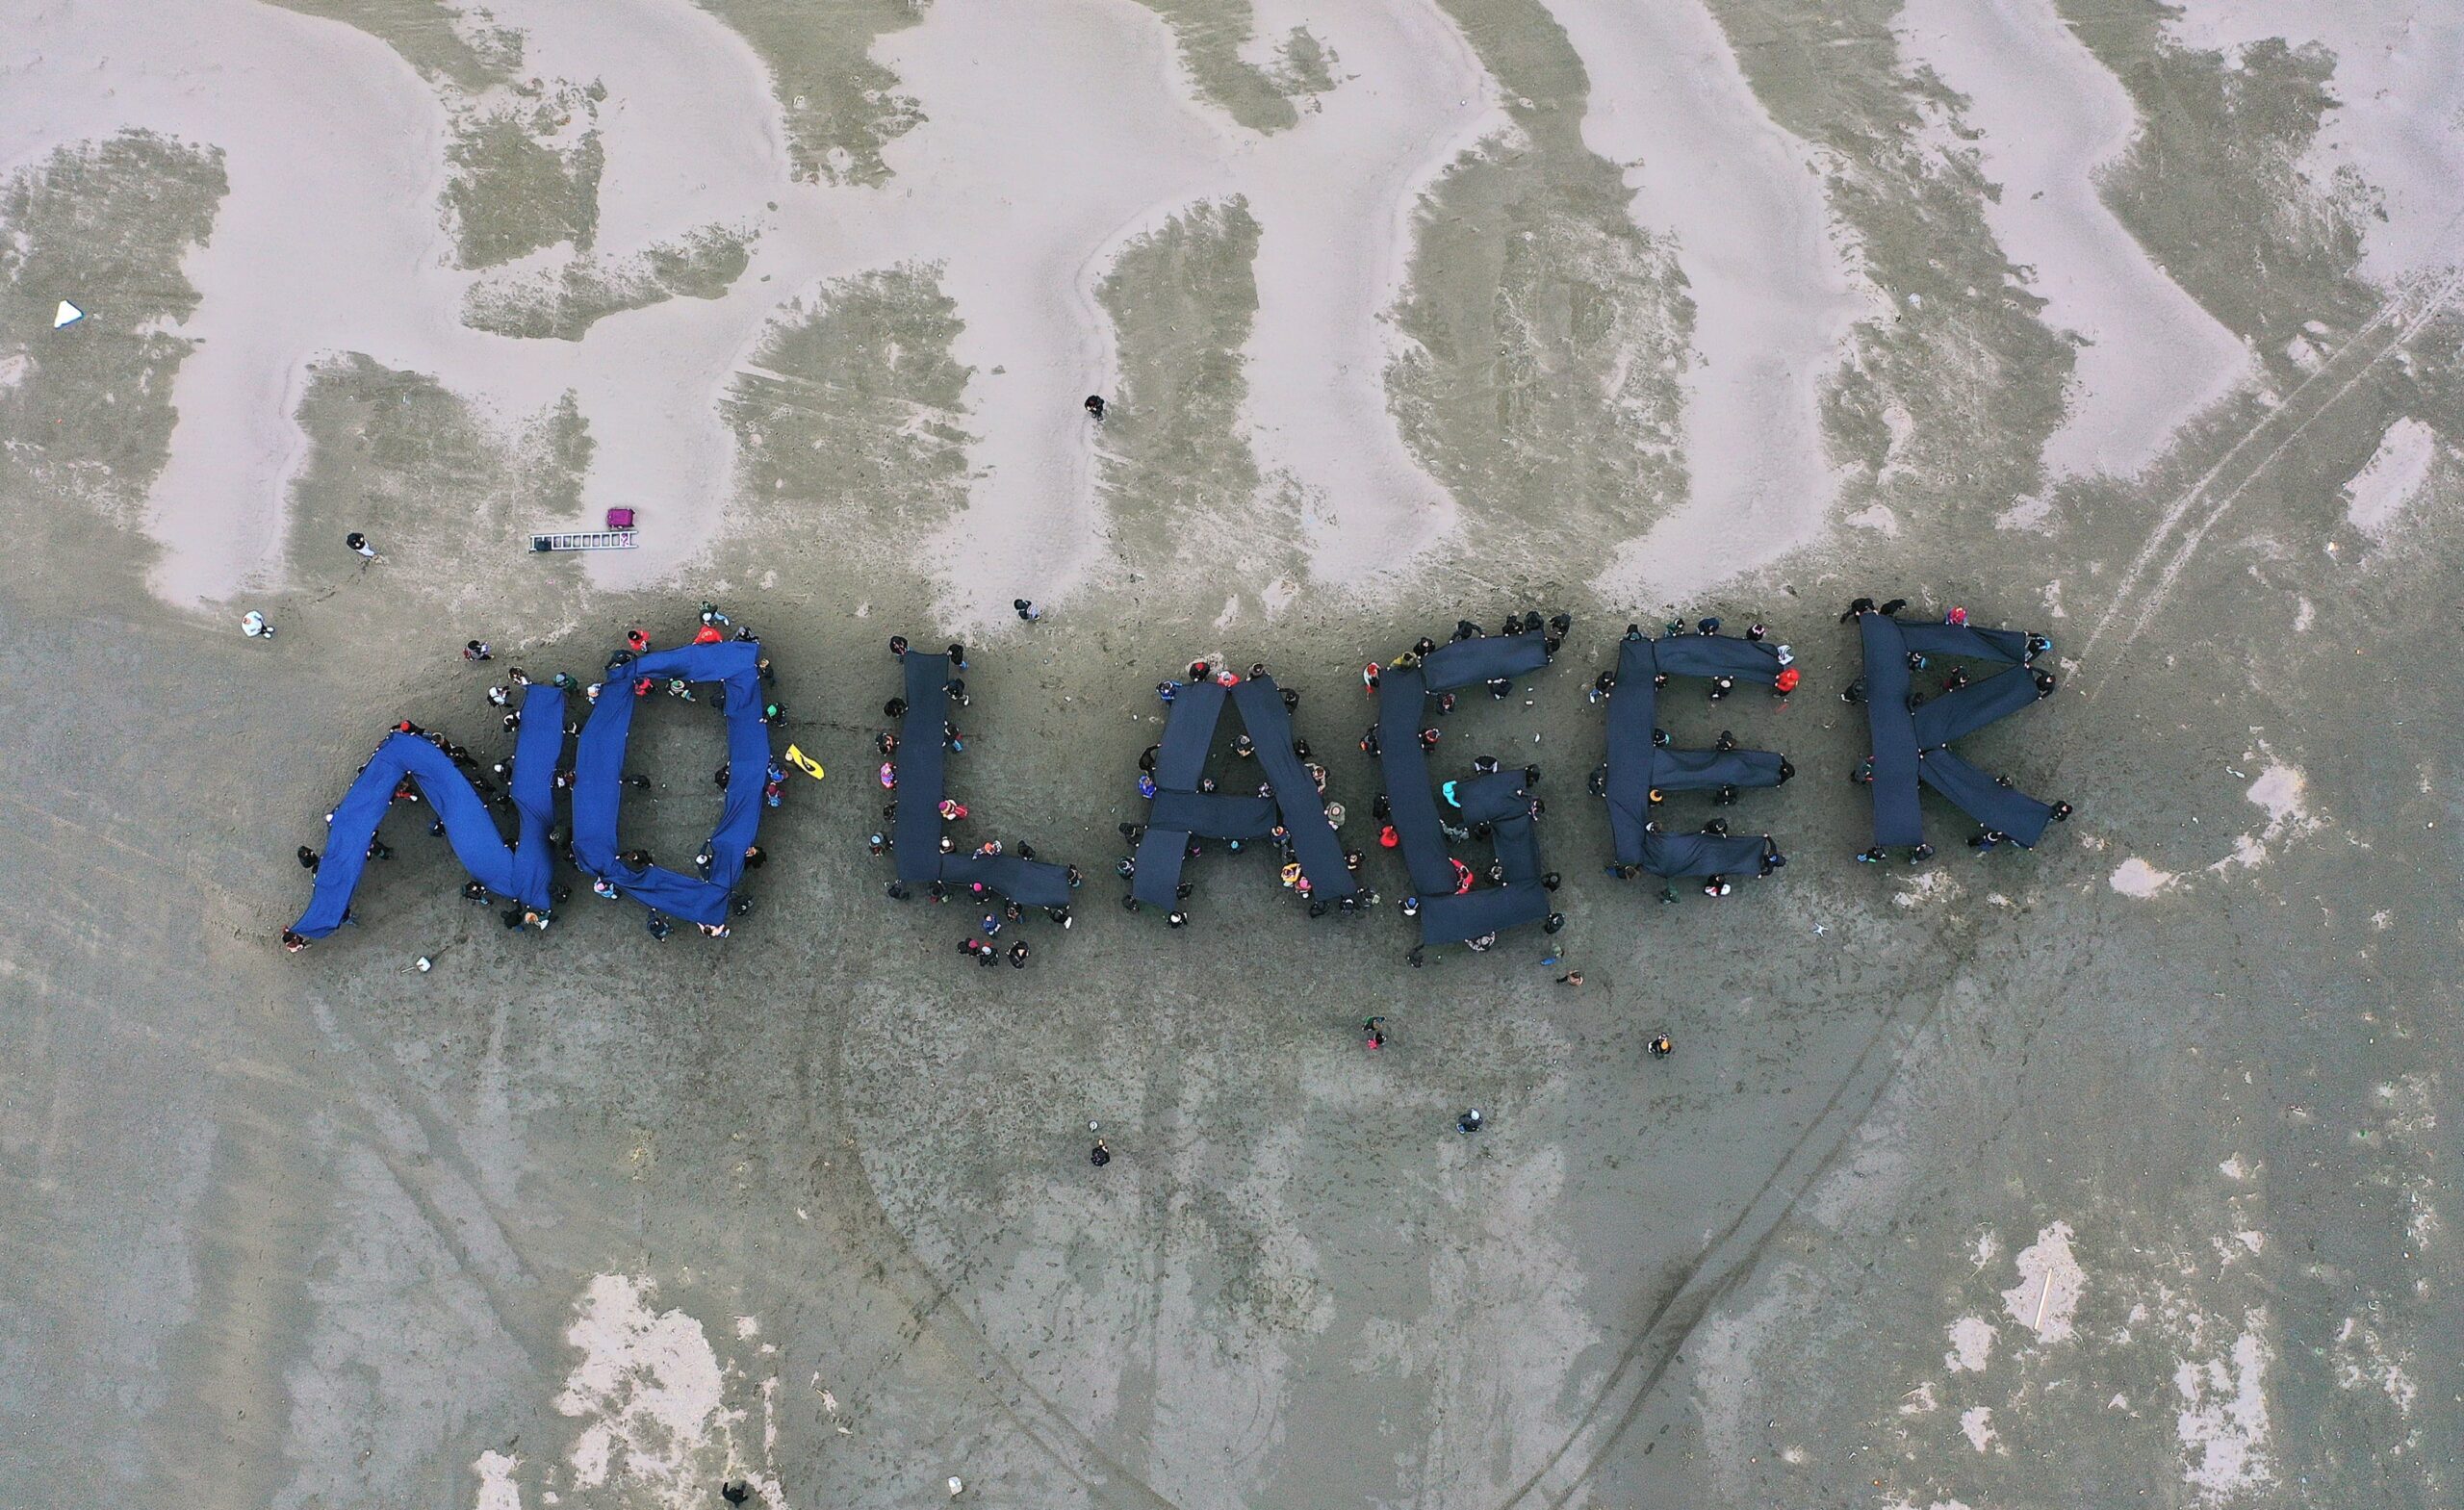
803, 762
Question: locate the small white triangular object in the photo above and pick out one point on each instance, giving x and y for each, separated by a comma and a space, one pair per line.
67, 313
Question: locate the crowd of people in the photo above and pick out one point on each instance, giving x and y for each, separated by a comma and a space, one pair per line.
1215, 669
493, 780
490, 779
1718, 689
1552, 632
1985, 839
1002, 911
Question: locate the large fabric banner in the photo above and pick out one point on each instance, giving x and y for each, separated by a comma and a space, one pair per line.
923, 782
1458, 904
1284, 806
1643, 767
599, 776
1911, 732
406, 759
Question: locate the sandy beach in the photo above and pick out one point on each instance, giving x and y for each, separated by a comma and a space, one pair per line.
2114, 1171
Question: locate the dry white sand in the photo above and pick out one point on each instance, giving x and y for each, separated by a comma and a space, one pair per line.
2398, 128
1082, 164
1774, 294
331, 240
2376, 496
2050, 117
1080, 133
334, 151
1052, 128
1057, 132
1335, 197
686, 144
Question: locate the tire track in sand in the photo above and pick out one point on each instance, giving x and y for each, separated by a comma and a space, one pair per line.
1727, 1259
2387, 331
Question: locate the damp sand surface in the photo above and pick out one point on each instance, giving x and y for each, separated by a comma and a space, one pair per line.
2103, 1173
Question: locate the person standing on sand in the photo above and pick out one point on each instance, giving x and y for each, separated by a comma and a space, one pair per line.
1100, 1155
1026, 610
1096, 407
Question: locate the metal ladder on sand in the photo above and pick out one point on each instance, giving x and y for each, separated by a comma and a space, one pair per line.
584, 540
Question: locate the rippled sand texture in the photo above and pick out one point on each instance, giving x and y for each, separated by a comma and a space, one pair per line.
2108, 1173
1558, 281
